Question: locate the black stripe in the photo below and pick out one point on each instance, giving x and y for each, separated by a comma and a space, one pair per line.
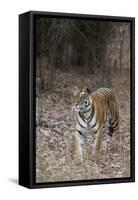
94, 125
97, 129
80, 124
115, 124
116, 128
81, 116
80, 133
92, 114
90, 118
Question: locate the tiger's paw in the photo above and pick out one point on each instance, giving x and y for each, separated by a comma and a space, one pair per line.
78, 158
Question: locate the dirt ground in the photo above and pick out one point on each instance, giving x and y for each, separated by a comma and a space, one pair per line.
54, 125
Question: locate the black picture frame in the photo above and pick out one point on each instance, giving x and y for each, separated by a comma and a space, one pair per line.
27, 101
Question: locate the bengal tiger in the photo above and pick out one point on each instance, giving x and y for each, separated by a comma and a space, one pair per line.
93, 110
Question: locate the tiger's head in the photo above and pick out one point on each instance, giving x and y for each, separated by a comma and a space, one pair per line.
82, 99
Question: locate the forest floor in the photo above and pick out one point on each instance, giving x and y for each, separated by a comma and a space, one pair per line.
54, 125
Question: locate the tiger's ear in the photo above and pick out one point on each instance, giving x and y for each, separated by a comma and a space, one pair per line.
88, 90
75, 91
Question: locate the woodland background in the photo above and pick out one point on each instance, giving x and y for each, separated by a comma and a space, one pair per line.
72, 52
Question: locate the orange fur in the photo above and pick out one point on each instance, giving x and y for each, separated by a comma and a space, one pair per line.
103, 102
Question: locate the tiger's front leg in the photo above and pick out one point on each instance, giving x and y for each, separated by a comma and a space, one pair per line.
78, 145
98, 142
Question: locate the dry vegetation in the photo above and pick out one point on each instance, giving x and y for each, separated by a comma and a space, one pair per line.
88, 52
54, 126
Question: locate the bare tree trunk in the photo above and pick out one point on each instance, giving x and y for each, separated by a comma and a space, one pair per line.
41, 57
41, 71
121, 48
52, 71
109, 74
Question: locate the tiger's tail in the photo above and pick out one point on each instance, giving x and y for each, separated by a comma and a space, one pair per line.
114, 128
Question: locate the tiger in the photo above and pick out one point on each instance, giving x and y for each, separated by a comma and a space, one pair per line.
93, 110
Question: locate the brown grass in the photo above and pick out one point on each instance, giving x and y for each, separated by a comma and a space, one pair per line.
55, 123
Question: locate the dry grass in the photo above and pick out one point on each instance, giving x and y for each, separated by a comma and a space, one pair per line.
55, 123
